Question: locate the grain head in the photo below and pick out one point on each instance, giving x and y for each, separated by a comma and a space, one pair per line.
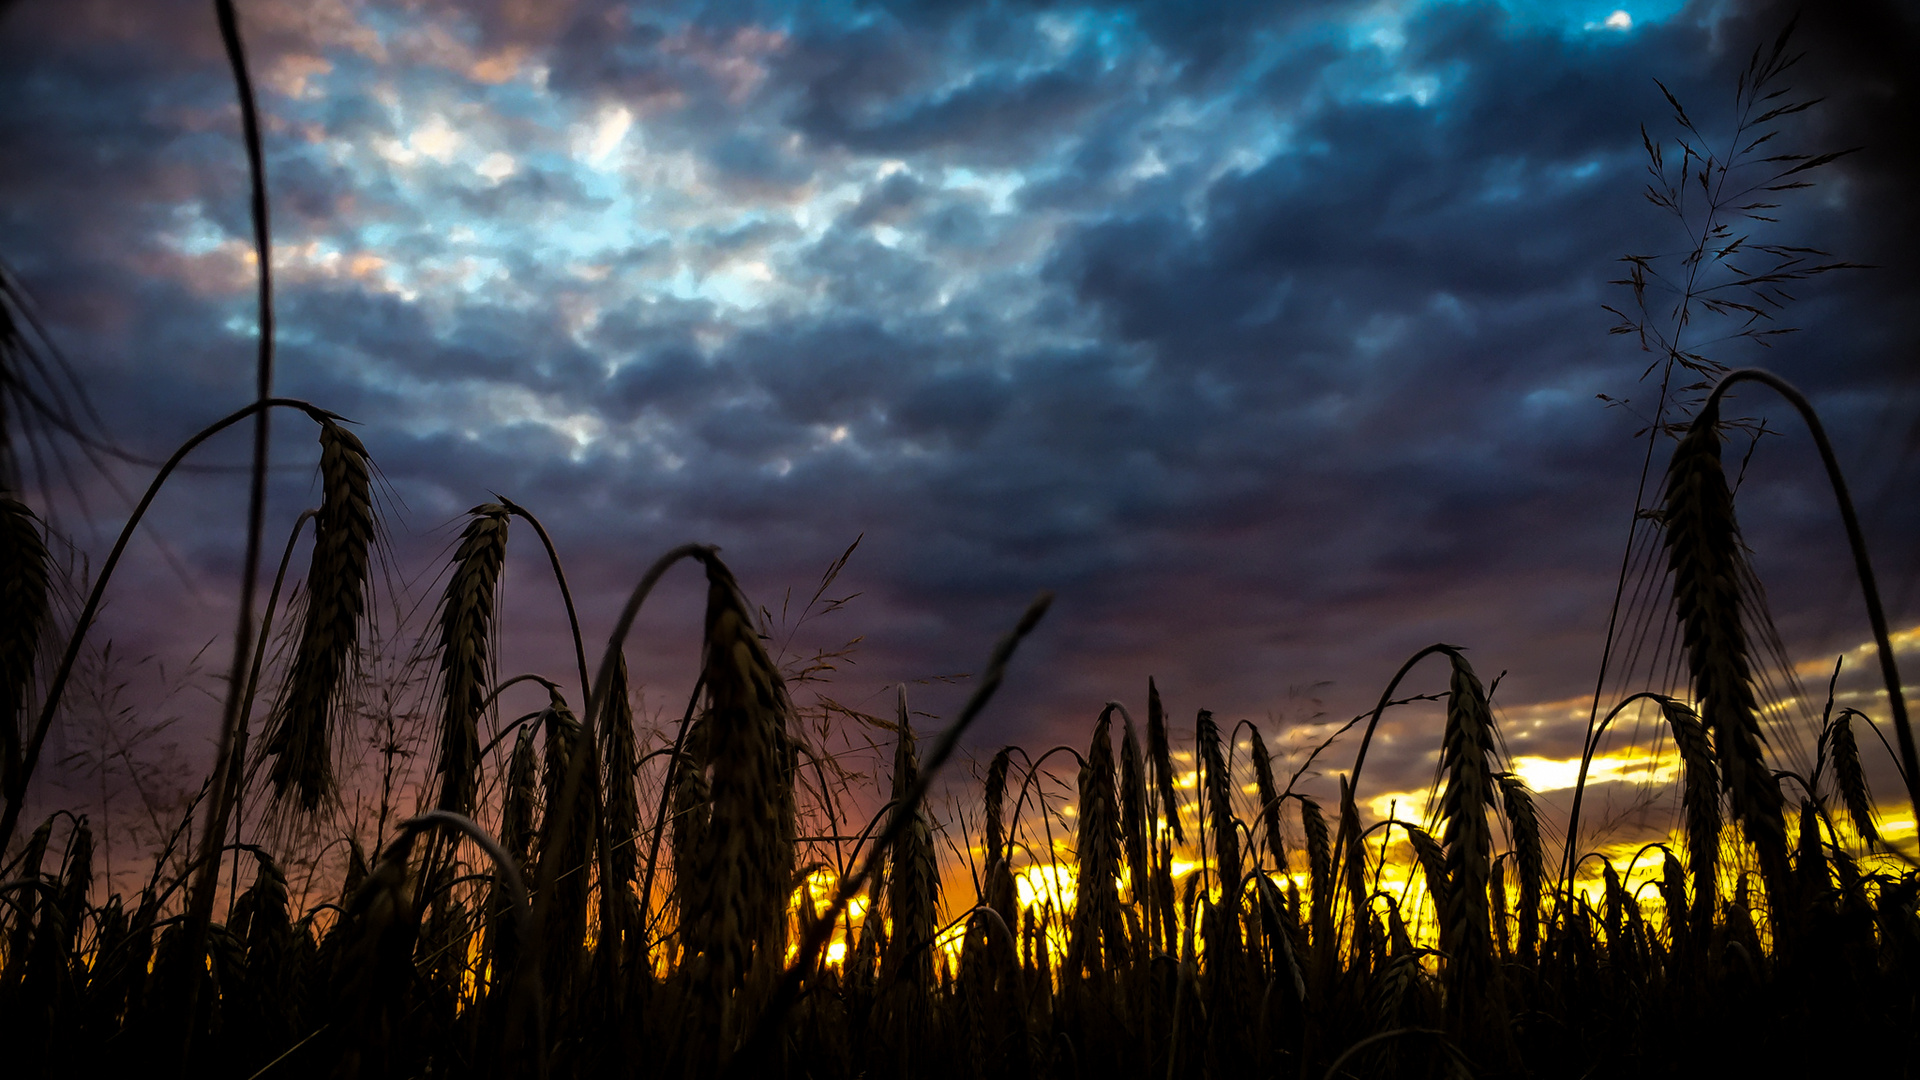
302, 732
466, 632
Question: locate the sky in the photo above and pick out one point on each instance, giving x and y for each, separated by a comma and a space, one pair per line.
1268, 336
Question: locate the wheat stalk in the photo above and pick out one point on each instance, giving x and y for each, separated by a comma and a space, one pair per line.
1700, 798
913, 879
1226, 838
1160, 754
566, 838
1269, 800
1704, 556
1319, 871
302, 738
466, 629
1096, 914
1849, 776
1528, 854
744, 860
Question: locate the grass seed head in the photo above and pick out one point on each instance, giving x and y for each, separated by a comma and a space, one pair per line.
302, 732
1528, 856
913, 880
1161, 754
1700, 799
1705, 557
745, 859
466, 633
1269, 801
1850, 778
1096, 915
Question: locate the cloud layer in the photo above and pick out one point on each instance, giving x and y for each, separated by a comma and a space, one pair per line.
1267, 335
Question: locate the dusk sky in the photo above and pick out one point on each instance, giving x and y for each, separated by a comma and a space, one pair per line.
1267, 335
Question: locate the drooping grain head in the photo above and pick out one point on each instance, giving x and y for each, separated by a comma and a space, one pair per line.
623, 761
1616, 910
1160, 752
521, 804
1816, 888
995, 802
565, 846
260, 922
1096, 915
1528, 856
692, 809
1433, 863
1220, 820
1850, 778
23, 615
1701, 800
746, 860
1313, 822
1705, 558
1673, 894
466, 631
303, 731
1269, 801
566, 852
913, 880
1474, 998
998, 891
373, 960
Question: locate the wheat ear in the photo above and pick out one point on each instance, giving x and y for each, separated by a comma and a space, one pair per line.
1704, 556
1269, 800
1096, 913
747, 857
913, 880
466, 630
302, 738
1161, 754
1850, 778
1700, 798
1527, 855
1466, 756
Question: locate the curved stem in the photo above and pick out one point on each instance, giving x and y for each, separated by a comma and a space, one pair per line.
1386, 697
559, 576
202, 894
508, 729
15, 800
1896, 701
1366, 739
1591, 744
494, 696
